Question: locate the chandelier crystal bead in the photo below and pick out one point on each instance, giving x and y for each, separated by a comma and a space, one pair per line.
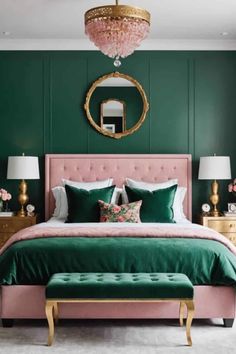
117, 30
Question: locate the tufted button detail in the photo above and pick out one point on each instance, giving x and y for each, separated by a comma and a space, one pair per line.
98, 285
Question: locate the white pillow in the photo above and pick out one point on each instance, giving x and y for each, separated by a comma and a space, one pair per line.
116, 195
145, 185
88, 185
59, 193
61, 210
179, 195
150, 186
57, 196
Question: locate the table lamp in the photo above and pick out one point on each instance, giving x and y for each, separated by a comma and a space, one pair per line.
214, 168
22, 167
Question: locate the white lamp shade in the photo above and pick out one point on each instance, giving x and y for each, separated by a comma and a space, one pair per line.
214, 167
23, 167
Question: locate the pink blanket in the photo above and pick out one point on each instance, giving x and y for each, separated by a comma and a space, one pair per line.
38, 231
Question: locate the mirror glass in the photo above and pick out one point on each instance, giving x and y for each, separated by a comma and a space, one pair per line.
113, 116
116, 105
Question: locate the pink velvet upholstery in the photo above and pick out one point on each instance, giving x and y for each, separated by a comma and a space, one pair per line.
28, 302
151, 168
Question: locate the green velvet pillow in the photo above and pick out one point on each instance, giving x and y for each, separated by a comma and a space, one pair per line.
83, 205
156, 206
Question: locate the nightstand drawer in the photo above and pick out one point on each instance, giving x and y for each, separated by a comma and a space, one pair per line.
10, 225
4, 237
21, 223
14, 224
230, 236
6, 225
223, 226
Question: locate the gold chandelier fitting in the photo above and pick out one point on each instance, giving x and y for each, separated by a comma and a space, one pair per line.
117, 11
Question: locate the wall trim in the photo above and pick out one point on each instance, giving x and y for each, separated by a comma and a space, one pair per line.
85, 44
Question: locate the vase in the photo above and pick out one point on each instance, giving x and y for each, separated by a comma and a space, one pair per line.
1, 205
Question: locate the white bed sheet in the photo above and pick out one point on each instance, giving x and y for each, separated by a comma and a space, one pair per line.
55, 222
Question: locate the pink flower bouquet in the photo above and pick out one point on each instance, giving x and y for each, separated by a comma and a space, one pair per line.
4, 197
232, 187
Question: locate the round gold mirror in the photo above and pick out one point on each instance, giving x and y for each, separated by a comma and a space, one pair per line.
116, 105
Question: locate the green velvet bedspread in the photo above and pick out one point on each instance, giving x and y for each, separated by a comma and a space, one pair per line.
205, 262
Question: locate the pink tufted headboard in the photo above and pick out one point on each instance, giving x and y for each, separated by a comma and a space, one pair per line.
86, 167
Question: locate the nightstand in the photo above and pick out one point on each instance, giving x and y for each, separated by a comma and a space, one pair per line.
10, 225
226, 225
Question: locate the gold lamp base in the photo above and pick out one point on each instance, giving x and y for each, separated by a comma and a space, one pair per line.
215, 213
215, 198
22, 198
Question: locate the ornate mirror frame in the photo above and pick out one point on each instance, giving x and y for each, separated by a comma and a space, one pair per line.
141, 118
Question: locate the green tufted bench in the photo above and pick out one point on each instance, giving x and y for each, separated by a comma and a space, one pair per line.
118, 287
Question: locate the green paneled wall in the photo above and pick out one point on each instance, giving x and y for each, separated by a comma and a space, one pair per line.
192, 108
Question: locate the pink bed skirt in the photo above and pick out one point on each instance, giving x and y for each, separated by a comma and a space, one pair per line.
22, 301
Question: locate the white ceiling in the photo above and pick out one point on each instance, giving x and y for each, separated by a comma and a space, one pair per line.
175, 24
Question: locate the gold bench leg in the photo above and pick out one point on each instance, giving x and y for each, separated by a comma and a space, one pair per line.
190, 307
181, 313
49, 314
55, 311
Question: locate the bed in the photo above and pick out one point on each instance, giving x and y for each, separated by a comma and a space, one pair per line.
22, 299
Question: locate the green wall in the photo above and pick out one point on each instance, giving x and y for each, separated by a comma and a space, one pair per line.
192, 108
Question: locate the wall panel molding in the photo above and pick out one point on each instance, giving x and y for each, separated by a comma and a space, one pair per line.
191, 96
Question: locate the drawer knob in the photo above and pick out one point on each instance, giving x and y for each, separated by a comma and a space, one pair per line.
231, 225
4, 226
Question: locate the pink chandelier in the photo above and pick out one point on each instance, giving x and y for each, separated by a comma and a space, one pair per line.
117, 30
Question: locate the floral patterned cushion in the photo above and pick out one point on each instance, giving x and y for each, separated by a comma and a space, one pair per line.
120, 213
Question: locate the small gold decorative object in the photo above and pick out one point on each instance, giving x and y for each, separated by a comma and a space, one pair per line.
22, 167
214, 168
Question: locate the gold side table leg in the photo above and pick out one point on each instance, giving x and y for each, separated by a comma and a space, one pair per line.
55, 312
190, 307
181, 313
49, 313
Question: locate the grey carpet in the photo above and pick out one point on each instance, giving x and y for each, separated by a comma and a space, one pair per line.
118, 337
